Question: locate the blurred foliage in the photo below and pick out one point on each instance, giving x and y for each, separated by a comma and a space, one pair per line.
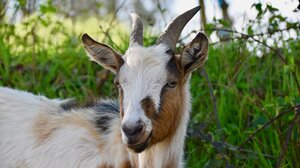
251, 77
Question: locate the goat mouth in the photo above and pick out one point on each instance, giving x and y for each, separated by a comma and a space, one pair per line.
140, 147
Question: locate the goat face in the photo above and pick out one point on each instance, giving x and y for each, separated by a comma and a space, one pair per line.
151, 80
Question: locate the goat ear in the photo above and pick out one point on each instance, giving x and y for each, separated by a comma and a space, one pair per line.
194, 54
102, 54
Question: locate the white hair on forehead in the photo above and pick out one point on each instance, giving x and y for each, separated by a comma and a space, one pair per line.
151, 56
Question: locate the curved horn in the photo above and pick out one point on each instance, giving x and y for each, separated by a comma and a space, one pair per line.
172, 32
137, 30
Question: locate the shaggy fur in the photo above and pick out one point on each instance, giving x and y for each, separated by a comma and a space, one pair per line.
37, 132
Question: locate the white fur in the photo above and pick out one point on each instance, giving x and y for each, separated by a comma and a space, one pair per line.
143, 74
69, 146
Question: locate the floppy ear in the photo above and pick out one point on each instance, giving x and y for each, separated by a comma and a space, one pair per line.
102, 54
194, 54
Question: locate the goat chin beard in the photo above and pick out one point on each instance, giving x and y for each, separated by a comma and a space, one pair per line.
139, 147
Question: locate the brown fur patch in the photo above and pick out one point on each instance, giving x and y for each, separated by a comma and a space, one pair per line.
166, 121
105, 166
43, 127
126, 164
81, 121
170, 113
121, 102
46, 124
149, 108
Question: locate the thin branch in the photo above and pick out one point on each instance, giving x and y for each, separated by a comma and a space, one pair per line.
275, 50
106, 33
246, 36
13, 18
212, 96
103, 78
236, 148
4, 10
288, 136
269, 122
161, 11
223, 40
230, 147
180, 41
279, 30
274, 126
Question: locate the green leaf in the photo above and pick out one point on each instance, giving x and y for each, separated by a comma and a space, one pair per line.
209, 28
291, 25
44, 22
225, 23
271, 8
250, 30
47, 9
22, 2
258, 7
281, 18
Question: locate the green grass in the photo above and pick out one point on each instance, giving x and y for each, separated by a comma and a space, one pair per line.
249, 91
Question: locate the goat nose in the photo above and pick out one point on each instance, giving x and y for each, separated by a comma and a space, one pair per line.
133, 130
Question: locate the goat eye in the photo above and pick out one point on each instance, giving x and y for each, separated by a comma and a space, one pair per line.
171, 84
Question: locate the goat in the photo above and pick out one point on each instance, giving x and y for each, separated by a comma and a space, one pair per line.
146, 127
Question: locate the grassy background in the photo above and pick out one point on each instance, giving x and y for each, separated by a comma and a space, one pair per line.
235, 94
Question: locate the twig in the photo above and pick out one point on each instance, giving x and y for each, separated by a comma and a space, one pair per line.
279, 30
236, 148
223, 40
275, 50
103, 79
161, 11
106, 35
186, 36
12, 19
217, 144
4, 10
269, 122
274, 126
111, 21
213, 97
246, 36
288, 136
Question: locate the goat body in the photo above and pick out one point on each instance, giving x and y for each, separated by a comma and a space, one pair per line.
146, 127
47, 133
38, 132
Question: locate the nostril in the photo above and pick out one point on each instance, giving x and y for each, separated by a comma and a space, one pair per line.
132, 130
139, 129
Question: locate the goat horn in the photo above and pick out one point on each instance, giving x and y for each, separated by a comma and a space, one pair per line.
172, 32
137, 30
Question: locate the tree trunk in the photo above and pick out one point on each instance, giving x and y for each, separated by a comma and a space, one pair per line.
224, 7
202, 14
2, 9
